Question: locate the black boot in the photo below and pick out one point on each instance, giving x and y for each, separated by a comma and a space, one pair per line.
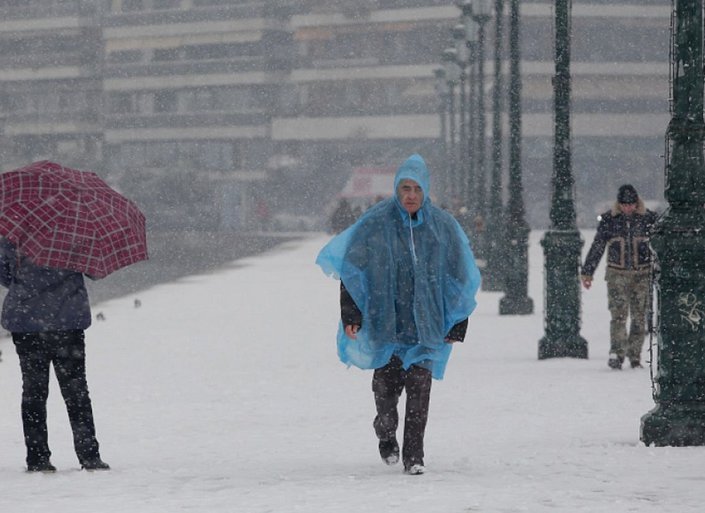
41, 466
389, 451
94, 464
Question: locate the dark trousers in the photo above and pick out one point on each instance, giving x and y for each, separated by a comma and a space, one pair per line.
388, 383
66, 350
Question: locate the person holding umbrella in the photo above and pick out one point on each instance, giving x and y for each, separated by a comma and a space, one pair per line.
46, 311
58, 225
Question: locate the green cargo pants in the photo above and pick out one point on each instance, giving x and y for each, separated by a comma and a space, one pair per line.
627, 298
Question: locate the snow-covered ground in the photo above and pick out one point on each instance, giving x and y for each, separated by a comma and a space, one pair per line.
223, 393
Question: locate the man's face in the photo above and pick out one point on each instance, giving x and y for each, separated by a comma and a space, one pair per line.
627, 208
410, 195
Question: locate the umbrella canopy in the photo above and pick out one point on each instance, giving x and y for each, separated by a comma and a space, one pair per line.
68, 219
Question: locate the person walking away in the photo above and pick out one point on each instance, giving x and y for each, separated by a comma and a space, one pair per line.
624, 233
46, 311
408, 284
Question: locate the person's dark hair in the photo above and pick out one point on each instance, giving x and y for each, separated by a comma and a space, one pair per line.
627, 195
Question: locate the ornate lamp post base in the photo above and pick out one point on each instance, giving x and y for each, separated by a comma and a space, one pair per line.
516, 300
562, 345
674, 425
562, 290
516, 306
679, 416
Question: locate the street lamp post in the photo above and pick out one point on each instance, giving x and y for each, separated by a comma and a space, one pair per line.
562, 243
442, 91
492, 279
481, 13
679, 243
466, 191
516, 300
452, 74
462, 55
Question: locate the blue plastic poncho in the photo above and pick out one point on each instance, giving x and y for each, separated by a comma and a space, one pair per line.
412, 279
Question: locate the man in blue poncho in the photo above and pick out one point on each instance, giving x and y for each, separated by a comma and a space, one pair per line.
408, 284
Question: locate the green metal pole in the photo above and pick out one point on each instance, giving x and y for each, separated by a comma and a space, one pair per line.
516, 300
448, 58
480, 175
458, 33
442, 92
562, 243
452, 130
679, 243
493, 277
469, 198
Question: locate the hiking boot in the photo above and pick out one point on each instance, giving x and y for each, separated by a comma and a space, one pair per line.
389, 451
95, 464
615, 362
415, 470
636, 364
43, 466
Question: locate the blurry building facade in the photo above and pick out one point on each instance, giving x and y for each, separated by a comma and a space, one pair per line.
190, 90
366, 92
50, 82
201, 110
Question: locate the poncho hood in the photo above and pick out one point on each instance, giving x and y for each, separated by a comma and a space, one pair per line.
414, 168
413, 280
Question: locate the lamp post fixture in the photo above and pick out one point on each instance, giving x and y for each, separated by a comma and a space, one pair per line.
679, 242
493, 277
462, 55
562, 243
481, 13
452, 74
516, 300
467, 189
442, 91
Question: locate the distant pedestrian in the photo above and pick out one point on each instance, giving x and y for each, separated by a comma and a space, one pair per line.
342, 217
408, 284
46, 311
263, 215
624, 233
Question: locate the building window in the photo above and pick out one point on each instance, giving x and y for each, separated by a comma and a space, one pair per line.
125, 56
121, 103
73, 101
209, 3
206, 52
132, 5
191, 155
166, 54
223, 99
165, 101
166, 4
42, 103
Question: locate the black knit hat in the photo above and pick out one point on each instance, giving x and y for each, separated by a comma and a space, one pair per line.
627, 195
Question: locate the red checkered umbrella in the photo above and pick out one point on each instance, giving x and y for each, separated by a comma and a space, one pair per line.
68, 219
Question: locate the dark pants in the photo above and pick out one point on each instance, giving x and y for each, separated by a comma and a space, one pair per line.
66, 350
387, 385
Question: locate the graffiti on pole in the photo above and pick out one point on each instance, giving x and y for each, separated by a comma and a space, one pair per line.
691, 310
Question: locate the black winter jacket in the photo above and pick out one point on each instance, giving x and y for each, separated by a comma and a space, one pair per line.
626, 239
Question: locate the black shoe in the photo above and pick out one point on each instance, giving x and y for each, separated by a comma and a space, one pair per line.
95, 464
615, 362
389, 451
415, 470
636, 364
44, 466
